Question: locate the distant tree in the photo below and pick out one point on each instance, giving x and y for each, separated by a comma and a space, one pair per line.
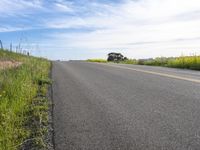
116, 57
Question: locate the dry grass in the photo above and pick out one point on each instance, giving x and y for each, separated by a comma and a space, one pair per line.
9, 64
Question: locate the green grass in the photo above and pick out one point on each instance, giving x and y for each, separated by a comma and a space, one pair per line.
184, 62
187, 62
129, 61
23, 102
159, 61
97, 60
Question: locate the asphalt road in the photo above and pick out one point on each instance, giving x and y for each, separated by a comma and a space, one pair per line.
125, 107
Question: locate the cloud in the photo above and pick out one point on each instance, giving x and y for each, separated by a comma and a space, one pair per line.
63, 6
11, 29
129, 14
138, 27
141, 21
18, 7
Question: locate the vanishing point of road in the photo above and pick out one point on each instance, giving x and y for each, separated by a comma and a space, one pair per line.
125, 107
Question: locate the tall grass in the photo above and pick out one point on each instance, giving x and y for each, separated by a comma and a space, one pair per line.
160, 61
184, 62
187, 62
129, 61
18, 92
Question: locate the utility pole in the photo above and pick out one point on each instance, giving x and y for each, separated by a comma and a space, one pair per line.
20, 47
16, 49
1, 44
11, 47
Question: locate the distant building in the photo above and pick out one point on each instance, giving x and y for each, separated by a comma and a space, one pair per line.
116, 57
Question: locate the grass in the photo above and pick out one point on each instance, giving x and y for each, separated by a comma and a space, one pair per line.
184, 62
160, 61
129, 61
23, 102
97, 60
187, 62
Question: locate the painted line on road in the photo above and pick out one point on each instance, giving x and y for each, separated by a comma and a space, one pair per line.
155, 73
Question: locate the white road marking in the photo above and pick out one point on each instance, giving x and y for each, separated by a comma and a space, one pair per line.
155, 73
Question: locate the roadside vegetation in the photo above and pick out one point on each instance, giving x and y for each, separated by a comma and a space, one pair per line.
129, 61
184, 62
97, 60
23, 102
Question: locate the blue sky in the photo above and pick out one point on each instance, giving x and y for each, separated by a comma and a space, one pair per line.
81, 29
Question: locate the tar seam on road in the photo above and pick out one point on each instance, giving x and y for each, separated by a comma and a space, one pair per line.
154, 73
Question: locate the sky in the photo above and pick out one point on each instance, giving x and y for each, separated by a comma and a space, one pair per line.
82, 29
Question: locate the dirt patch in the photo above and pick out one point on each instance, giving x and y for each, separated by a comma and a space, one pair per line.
9, 64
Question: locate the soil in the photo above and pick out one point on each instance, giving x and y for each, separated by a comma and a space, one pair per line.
9, 64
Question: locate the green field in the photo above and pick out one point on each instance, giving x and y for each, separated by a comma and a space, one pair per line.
23, 102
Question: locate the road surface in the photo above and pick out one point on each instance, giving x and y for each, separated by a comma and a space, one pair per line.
125, 107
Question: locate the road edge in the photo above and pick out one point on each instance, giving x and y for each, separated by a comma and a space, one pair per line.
51, 114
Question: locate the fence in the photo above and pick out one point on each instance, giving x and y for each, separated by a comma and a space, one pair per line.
1, 44
18, 49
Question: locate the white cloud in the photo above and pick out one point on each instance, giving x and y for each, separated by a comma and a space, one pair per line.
64, 23
18, 7
139, 27
162, 24
63, 6
11, 29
